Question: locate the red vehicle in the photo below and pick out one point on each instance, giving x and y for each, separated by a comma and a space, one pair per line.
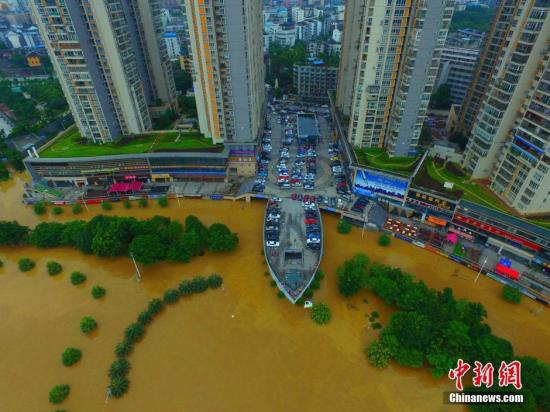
293, 196
507, 272
306, 198
312, 199
310, 221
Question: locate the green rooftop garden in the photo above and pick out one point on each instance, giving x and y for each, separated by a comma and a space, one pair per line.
435, 173
71, 144
378, 158
440, 172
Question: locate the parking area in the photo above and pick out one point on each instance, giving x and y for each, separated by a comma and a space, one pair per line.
297, 161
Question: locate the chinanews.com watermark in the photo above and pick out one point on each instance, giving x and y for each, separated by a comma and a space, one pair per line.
466, 398
509, 374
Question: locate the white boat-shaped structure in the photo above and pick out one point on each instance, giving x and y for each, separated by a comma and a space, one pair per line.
293, 245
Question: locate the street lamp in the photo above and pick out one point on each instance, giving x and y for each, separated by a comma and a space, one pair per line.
479, 273
364, 223
138, 273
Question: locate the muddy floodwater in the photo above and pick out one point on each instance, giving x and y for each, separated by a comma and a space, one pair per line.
239, 348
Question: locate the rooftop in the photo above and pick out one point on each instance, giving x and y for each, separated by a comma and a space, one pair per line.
439, 172
524, 224
434, 174
378, 158
71, 144
307, 125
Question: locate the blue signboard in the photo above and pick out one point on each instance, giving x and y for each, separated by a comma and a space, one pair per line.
370, 183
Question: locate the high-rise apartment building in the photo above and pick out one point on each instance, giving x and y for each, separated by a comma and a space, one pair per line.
390, 57
492, 45
459, 60
524, 51
111, 62
314, 80
522, 175
228, 68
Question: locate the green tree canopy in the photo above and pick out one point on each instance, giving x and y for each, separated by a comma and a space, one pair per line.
220, 239
47, 234
147, 249
281, 63
474, 17
352, 276
12, 233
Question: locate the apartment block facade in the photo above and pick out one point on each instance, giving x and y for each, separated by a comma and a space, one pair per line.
228, 68
459, 60
110, 60
522, 174
526, 48
313, 81
492, 45
390, 55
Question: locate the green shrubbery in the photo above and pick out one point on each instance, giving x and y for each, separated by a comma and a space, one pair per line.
511, 294
39, 208
163, 201
98, 291
384, 240
344, 227
145, 317
57, 210
352, 275
127, 204
320, 313
171, 296
143, 202
119, 369
134, 333
434, 328
215, 281
77, 278
119, 386
53, 268
151, 240
377, 354
220, 239
156, 306
123, 349
88, 324
12, 233
25, 264
70, 356
59, 393
77, 208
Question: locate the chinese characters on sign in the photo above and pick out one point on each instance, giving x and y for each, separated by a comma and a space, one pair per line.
508, 374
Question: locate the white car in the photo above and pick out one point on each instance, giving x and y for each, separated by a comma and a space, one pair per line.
272, 243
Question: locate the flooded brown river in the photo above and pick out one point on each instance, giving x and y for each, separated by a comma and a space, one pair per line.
239, 348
